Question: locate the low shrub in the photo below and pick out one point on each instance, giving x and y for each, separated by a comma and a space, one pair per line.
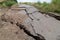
7, 3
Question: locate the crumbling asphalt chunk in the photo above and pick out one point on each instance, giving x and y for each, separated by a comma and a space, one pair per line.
17, 20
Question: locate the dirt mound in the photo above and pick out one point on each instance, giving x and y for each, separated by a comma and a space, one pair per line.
9, 29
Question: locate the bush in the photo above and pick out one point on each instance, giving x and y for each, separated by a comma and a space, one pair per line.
7, 3
54, 6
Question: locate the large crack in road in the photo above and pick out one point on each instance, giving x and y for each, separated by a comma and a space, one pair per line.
38, 37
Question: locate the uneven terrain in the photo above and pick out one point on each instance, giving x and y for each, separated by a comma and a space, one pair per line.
28, 23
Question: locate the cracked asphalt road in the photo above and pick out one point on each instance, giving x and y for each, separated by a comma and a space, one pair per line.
29, 24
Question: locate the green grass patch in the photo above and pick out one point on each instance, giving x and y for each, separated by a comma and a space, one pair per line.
7, 3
